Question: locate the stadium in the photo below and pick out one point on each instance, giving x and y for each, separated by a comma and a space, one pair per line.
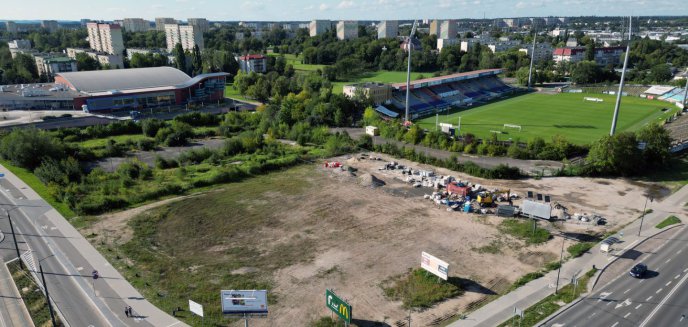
431, 95
120, 89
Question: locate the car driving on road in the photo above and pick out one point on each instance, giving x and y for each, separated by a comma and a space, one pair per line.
638, 270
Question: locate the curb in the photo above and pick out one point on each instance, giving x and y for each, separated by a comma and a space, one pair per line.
597, 278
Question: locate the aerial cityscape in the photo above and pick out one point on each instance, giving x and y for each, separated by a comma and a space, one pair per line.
344, 163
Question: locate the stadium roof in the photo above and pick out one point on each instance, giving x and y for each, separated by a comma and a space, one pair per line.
124, 79
658, 90
447, 78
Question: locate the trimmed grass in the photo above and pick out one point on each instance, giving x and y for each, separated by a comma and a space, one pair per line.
296, 62
552, 303
382, 76
545, 115
671, 220
421, 289
102, 142
523, 229
34, 183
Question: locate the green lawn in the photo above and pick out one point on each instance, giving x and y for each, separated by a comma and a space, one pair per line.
546, 115
296, 62
380, 76
102, 142
671, 220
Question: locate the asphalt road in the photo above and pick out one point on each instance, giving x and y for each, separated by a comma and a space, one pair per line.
67, 272
658, 299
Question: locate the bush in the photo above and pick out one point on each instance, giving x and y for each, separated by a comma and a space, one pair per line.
162, 163
420, 289
578, 249
146, 144
29, 147
198, 119
150, 127
525, 279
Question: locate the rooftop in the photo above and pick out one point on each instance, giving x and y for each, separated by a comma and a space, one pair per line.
453, 77
124, 79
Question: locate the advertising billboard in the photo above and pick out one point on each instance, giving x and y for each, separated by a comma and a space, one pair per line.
536, 210
196, 308
338, 306
434, 265
244, 302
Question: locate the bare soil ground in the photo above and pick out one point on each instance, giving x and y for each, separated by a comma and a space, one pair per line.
360, 235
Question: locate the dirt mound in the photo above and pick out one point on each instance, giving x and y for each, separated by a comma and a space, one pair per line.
369, 180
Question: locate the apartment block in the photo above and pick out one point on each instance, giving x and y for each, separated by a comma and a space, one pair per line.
106, 38
50, 25
135, 25
543, 52
200, 23
186, 35
19, 44
435, 27
50, 65
448, 29
319, 27
11, 26
387, 29
160, 22
347, 29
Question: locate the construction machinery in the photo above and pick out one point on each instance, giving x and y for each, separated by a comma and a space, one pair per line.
485, 199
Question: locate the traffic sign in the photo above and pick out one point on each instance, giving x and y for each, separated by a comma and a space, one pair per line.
338, 306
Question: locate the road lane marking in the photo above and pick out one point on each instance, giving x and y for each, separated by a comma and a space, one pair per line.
668, 260
638, 306
679, 251
661, 303
667, 284
682, 317
685, 270
627, 291
659, 290
677, 276
648, 299
616, 323
626, 315
624, 303
608, 303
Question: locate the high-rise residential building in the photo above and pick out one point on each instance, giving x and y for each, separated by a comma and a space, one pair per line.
512, 22
135, 25
105, 38
11, 26
200, 23
186, 35
387, 29
448, 29
257, 63
84, 21
50, 25
435, 27
160, 22
347, 29
19, 44
319, 27
543, 52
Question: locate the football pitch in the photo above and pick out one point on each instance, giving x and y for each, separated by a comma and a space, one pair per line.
546, 115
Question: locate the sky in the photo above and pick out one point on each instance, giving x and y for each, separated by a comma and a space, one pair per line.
304, 10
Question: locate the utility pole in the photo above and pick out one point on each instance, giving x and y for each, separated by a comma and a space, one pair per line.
623, 77
642, 217
532, 59
14, 238
408, 72
685, 92
47, 296
561, 257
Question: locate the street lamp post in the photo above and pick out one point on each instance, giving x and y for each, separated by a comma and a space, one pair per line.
14, 238
47, 295
642, 217
561, 257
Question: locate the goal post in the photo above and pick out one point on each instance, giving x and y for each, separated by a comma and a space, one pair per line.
512, 126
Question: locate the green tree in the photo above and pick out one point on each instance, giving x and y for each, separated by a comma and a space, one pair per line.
29, 147
179, 57
586, 72
657, 142
197, 61
615, 155
86, 62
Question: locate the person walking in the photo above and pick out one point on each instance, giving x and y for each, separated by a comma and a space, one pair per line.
126, 311
129, 310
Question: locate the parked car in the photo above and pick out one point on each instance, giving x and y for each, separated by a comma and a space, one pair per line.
638, 270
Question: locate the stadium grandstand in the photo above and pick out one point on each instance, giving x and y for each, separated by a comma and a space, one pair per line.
436, 94
118, 89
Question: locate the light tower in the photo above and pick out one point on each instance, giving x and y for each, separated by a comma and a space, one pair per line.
408, 72
623, 76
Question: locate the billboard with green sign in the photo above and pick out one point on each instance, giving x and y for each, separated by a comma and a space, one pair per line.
338, 306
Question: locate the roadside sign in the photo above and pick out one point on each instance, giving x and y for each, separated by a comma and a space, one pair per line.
244, 302
196, 308
518, 312
338, 306
434, 265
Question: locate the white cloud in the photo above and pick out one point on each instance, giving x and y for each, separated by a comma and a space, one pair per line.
345, 4
323, 7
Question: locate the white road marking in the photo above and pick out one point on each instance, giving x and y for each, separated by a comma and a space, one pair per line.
659, 290
627, 291
685, 270
679, 251
626, 315
661, 303
79, 268
616, 323
677, 276
682, 317
622, 304
608, 303
668, 260
638, 306
603, 296
667, 284
648, 299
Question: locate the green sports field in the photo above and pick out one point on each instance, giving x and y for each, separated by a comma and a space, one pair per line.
546, 115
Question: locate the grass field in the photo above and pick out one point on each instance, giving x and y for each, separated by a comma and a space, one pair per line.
547, 115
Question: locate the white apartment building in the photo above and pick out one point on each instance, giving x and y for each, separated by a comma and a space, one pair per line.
319, 27
11, 26
186, 35
19, 44
200, 23
160, 22
448, 29
105, 38
135, 25
501, 46
543, 52
441, 43
347, 29
50, 65
387, 29
50, 25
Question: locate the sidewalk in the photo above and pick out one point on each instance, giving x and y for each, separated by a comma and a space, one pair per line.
111, 276
522, 298
13, 311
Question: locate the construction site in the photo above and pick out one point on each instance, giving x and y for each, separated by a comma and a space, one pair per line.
353, 223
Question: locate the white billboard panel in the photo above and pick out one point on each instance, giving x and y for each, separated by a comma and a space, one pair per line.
434, 265
196, 308
536, 209
247, 301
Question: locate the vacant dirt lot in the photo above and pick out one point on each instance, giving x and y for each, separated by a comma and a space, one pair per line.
344, 234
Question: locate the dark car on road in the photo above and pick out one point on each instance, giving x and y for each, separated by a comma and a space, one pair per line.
638, 270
